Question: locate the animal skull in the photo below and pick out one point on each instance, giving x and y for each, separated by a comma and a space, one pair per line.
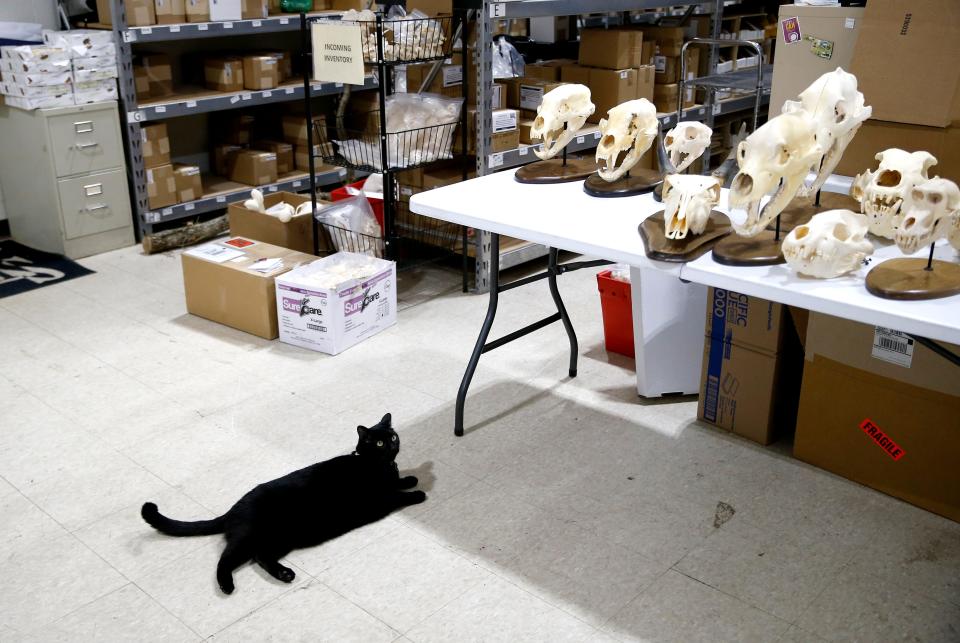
836, 106
686, 143
629, 129
561, 113
929, 211
688, 200
781, 151
881, 193
830, 244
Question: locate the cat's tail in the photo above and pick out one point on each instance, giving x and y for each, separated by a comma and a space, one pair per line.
172, 527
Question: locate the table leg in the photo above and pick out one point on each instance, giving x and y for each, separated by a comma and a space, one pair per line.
564, 317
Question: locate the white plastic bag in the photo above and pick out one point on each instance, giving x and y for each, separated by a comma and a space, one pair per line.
507, 61
355, 226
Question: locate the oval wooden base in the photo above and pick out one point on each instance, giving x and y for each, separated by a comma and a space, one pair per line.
908, 278
761, 250
800, 211
554, 171
636, 182
660, 248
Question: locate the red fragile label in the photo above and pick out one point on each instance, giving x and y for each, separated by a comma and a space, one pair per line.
882, 439
238, 242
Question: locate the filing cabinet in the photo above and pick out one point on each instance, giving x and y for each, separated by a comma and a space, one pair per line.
63, 179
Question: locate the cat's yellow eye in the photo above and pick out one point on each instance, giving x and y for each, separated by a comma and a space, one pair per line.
379, 443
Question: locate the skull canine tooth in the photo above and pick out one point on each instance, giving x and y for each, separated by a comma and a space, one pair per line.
881, 199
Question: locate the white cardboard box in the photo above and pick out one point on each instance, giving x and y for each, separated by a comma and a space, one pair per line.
225, 10
332, 319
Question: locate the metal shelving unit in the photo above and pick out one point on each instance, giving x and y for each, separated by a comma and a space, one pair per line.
135, 115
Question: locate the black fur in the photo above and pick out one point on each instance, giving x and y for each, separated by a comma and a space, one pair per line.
306, 507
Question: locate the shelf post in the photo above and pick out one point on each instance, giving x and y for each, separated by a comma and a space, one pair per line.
306, 58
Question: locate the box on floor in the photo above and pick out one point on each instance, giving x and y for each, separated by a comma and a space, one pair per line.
878, 408
221, 283
752, 362
295, 234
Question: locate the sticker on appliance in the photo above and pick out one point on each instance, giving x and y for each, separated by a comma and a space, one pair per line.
791, 30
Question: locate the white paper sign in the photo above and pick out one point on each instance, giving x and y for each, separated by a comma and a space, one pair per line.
214, 252
337, 53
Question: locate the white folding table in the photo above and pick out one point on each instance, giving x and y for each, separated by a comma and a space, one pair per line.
563, 217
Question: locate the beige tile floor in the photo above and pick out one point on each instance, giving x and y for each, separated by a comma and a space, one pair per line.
571, 511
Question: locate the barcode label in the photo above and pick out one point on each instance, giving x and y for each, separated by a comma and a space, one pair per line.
892, 346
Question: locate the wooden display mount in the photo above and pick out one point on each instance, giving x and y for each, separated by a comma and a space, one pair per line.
909, 278
761, 250
801, 210
556, 170
636, 181
660, 248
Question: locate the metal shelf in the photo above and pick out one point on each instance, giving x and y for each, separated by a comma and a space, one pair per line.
193, 30
745, 79
542, 8
299, 181
215, 102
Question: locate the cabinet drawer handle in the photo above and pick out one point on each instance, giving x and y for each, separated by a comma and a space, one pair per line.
86, 146
83, 127
94, 208
94, 189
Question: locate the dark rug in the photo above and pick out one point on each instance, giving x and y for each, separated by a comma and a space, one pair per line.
23, 268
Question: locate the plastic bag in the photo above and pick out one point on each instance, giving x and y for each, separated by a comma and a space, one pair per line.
507, 61
355, 228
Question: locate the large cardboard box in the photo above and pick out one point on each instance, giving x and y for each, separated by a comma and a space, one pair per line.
611, 48
669, 40
532, 91
665, 97
333, 319
155, 144
236, 128
198, 10
752, 361
221, 283
882, 410
609, 88
224, 74
261, 72
431, 7
906, 58
254, 167
140, 13
875, 136
283, 150
189, 184
295, 128
157, 72
668, 67
795, 66
161, 187
223, 158
170, 12
295, 234
254, 9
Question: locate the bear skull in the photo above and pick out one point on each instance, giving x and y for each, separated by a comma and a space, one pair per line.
686, 143
561, 113
628, 131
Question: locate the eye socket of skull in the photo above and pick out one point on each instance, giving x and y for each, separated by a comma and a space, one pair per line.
691, 133
889, 179
934, 198
608, 140
783, 155
841, 232
801, 232
839, 112
742, 151
538, 122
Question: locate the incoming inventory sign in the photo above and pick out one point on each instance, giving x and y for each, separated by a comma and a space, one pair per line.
337, 52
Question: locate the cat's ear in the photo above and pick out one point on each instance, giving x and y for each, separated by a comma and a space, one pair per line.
362, 431
387, 421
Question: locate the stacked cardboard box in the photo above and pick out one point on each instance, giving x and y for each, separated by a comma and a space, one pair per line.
224, 73
170, 12
140, 13
667, 46
261, 71
162, 189
198, 10
504, 131
295, 132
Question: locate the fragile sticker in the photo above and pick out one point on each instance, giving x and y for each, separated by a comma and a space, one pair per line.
237, 242
881, 439
791, 30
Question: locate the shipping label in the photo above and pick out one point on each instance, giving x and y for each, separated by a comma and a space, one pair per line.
892, 346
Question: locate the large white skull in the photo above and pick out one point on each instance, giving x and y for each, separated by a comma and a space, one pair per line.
779, 152
929, 211
686, 143
560, 115
830, 244
881, 193
688, 200
838, 110
628, 130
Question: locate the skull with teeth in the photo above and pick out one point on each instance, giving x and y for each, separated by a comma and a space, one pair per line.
561, 113
929, 210
779, 152
830, 244
686, 143
881, 193
628, 131
688, 200
836, 106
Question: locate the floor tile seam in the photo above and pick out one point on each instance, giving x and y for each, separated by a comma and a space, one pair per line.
605, 627
457, 596
35, 630
787, 623
89, 523
361, 608
287, 592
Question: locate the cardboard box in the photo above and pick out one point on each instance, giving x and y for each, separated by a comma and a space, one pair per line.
223, 158
236, 128
647, 52
504, 141
794, 66
499, 96
189, 184
198, 10
254, 167
876, 136
532, 91
220, 285
141, 83
668, 40
512, 87
543, 71
161, 187
302, 158
412, 178
668, 67
170, 12
503, 123
261, 72
905, 61
225, 10
140, 13
448, 81
611, 87
883, 411
295, 234
611, 48
284, 152
331, 320
523, 133
254, 9
432, 7
224, 74
284, 62
155, 144
751, 363
157, 72
295, 128
665, 97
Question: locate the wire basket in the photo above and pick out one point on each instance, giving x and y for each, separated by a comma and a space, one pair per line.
427, 231
359, 148
407, 40
337, 239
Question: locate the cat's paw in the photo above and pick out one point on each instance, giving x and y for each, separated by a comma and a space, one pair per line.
408, 482
416, 497
227, 587
286, 575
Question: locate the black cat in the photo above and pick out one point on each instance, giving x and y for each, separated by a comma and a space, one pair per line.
306, 507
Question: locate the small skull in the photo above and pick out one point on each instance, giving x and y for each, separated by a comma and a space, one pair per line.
686, 143
560, 115
832, 243
625, 135
881, 193
688, 200
929, 211
781, 151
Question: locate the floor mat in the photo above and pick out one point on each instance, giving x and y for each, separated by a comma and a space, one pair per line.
23, 268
